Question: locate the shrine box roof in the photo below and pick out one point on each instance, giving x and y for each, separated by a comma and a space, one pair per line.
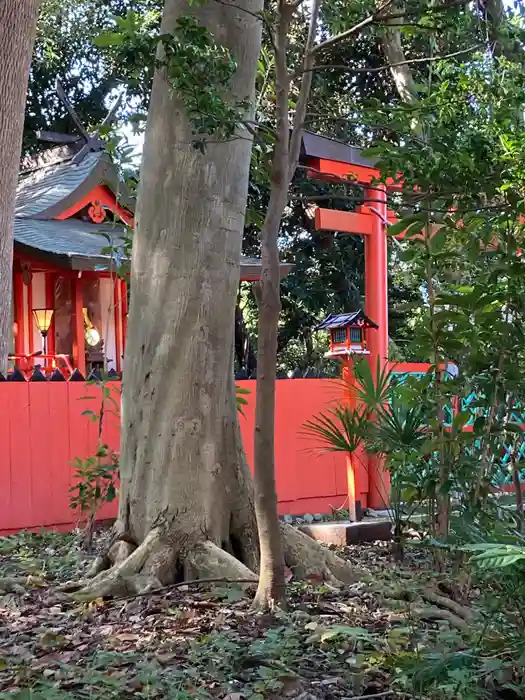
349, 319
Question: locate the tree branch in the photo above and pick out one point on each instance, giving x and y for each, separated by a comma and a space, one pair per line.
304, 91
389, 66
353, 30
375, 18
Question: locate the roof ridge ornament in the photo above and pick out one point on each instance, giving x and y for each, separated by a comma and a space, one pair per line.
91, 142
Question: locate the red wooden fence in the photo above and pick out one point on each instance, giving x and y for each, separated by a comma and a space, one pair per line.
42, 429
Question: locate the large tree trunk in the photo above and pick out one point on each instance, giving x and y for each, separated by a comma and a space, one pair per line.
17, 34
185, 486
186, 498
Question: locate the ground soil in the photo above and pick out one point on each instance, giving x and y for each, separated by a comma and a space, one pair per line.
204, 641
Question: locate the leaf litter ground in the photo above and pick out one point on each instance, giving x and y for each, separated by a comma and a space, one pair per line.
204, 642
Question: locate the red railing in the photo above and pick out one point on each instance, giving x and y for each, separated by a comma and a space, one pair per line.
47, 363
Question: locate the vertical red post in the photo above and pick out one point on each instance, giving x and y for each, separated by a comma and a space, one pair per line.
30, 319
117, 315
18, 290
50, 304
376, 308
124, 302
79, 340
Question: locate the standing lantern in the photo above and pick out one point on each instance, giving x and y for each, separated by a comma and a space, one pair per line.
348, 338
43, 319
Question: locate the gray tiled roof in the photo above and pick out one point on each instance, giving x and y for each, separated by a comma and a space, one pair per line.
49, 191
78, 241
43, 193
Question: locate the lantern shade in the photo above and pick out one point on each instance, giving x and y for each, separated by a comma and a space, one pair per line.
43, 318
92, 337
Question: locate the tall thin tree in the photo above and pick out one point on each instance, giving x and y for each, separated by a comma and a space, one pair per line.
17, 34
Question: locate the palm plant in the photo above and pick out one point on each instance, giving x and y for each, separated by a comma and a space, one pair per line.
397, 431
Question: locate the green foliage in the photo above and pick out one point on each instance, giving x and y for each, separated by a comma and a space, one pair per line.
96, 476
495, 556
241, 401
339, 429
44, 556
197, 68
200, 72
95, 481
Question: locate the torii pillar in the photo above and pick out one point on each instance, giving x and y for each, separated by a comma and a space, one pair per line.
329, 160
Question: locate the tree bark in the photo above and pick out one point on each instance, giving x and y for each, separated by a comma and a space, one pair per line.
17, 35
271, 589
183, 471
500, 31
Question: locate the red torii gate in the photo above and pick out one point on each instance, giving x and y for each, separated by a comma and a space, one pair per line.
331, 160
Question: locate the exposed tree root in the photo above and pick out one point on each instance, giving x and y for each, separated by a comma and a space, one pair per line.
439, 614
206, 560
100, 563
12, 585
442, 608
444, 602
310, 560
125, 577
120, 551
158, 563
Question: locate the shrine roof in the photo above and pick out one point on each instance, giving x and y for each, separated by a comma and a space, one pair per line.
348, 319
48, 191
78, 244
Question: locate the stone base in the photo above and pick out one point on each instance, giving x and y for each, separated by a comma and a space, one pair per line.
344, 533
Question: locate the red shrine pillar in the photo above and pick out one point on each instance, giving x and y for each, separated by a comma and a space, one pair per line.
376, 308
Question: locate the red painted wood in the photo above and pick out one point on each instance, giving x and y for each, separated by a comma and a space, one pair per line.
39, 437
50, 304
106, 197
59, 453
6, 496
124, 302
322, 169
39, 265
16, 401
42, 430
79, 341
376, 308
18, 290
117, 313
358, 223
79, 444
302, 472
31, 323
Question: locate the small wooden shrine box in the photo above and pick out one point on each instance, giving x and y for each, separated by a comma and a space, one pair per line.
347, 333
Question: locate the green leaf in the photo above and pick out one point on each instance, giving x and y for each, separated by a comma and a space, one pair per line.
437, 241
403, 224
106, 39
460, 420
343, 631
